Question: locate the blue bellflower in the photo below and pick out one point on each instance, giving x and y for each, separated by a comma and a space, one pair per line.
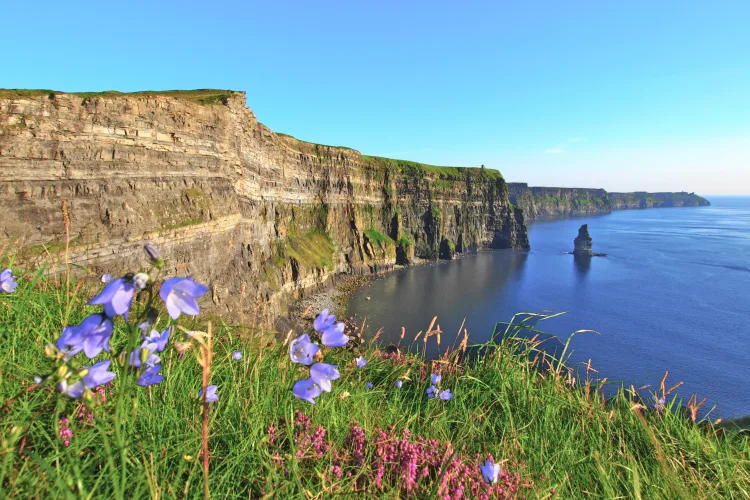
490, 471
302, 351
159, 339
237, 355
97, 375
116, 297
7, 281
180, 296
91, 337
369, 385
324, 321
211, 396
106, 278
446, 395
322, 374
399, 384
361, 362
150, 376
432, 391
334, 336
145, 355
307, 390
435, 379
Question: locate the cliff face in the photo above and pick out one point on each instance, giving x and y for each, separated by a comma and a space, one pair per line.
260, 217
550, 201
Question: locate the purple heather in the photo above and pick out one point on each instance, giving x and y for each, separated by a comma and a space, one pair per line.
180, 296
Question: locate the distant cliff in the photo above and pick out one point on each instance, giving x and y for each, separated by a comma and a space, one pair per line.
262, 218
551, 201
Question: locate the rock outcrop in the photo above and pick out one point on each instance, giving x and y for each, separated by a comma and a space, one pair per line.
582, 245
262, 218
551, 201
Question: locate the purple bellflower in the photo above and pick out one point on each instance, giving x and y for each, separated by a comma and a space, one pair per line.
334, 336
180, 296
237, 355
307, 390
7, 283
324, 321
322, 374
211, 396
432, 391
97, 375
150, 376
145, 355
435, 379
116, 297
302, 351
160, 339
399, 384
91, 336
490, 471
106, 278
361, 362
369, 385
446, 395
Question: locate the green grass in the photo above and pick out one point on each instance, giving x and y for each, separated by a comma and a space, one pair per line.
421, 169
200, 96
311, 249
147, 442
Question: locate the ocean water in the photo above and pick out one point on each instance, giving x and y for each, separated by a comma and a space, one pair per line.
673, 294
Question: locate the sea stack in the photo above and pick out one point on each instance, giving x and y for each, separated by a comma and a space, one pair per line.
583, 242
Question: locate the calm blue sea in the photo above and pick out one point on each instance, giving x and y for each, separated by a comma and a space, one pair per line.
673, 294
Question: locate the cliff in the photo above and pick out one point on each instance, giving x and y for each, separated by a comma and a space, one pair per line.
551, 201
260, 217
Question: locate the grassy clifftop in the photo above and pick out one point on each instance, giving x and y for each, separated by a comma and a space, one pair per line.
200, 96
551, 432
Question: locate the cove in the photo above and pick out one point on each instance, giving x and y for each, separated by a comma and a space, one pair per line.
671, 295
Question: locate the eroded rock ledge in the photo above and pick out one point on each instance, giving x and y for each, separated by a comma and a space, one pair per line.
260, 217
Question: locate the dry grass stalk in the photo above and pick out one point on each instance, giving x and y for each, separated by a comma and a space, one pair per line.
403, 333
377, 335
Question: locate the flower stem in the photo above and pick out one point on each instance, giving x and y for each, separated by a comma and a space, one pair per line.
207, 354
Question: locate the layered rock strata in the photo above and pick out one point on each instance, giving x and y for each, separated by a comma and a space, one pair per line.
262, 218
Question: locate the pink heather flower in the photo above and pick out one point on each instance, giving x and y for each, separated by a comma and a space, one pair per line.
65, 433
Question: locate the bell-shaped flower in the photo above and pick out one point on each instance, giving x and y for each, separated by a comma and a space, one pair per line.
399, 384
446, 395
154, 257
116, 297
150, 376
7, 281
91, 337
323, 321
334, 336
145, 355
180, 296
369, 385
211, 396
237, 355
140, 281
432, 391
323, 373
96, 375
435, 378
307, 390
106, 278
302, 351
361, 362
490, 471
160, 339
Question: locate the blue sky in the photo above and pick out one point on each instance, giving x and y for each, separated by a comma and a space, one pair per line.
620, 95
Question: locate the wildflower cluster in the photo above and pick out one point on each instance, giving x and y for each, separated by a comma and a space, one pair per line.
434, 392
93, 334
303, 351
388, 459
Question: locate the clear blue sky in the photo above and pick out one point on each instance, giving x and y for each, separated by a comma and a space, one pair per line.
621, 95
